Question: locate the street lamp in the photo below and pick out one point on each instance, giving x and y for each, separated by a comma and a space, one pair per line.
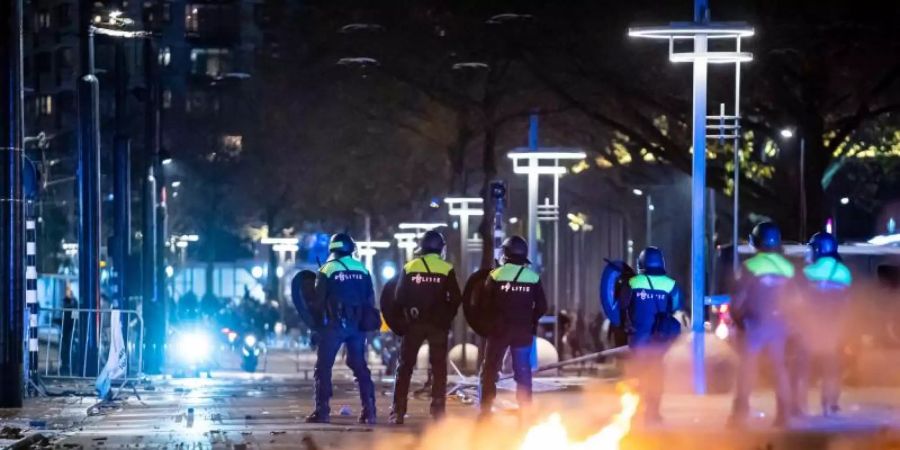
788, 133
648, 215
700, 32
579, 225
367, 251
407, 240
407, 243
533, 162
464, 207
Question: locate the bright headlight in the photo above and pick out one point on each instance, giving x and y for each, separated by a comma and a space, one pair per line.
250, 340
194, 346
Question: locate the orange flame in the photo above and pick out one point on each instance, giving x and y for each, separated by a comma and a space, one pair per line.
551, 434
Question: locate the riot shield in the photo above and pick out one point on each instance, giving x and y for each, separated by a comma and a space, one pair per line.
303, 290
472, 310
390, 311
612, 281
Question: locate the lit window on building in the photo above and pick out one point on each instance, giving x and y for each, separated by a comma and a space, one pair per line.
210, 18
165, 56
43, 20
191, 18
212, 62
232, 144
167, 98
45, 105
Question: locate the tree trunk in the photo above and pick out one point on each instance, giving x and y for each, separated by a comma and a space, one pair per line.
817, 158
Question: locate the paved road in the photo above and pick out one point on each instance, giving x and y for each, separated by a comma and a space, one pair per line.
234, 410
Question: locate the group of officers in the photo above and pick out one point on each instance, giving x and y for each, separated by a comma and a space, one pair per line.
771, 307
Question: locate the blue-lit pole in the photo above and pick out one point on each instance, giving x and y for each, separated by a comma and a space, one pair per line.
698, 200
12, 225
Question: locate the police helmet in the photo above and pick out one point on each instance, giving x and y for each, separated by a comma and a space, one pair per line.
651, 262
431, 242
823, 244
766, 237
515, 250
341, 244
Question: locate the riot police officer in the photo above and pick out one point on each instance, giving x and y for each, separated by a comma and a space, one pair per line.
343, 296
651, 299
428, 296
762, 310
826, 283
513, 299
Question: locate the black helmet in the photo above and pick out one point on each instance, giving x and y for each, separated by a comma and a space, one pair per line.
823, 244
515, 250
766, 237
651, 262
341, 244
431, 242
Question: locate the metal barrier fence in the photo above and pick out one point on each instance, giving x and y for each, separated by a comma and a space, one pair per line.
62, 352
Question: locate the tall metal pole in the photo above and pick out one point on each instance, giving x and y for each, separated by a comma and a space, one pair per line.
532, 190
803, 212
12, 227
698, 204
462, 329
89, 196
735, 226
649, 207
121, 181
556, 307
154, 337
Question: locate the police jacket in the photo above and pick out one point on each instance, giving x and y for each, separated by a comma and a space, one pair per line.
827, 279
826, 285
343, 292
427, 291
514, 302
766, 294
650, 299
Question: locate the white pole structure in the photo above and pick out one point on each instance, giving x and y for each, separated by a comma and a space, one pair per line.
367, 251
700, 31
535, 162
407, 243
464, 207
407, 240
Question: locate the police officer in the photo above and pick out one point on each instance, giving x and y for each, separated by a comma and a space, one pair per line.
762, 311
826, 283
651, 300
513, 301
343, 294
429, 297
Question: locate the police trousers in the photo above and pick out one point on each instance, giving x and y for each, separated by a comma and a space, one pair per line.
753, 343
437, 356
646, 365
329, 343
494, 351
828, 360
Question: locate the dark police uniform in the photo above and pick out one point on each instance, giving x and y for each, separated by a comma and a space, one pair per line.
514, 301
651, 303
826, 285
762, 308
343, 292
429, 297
